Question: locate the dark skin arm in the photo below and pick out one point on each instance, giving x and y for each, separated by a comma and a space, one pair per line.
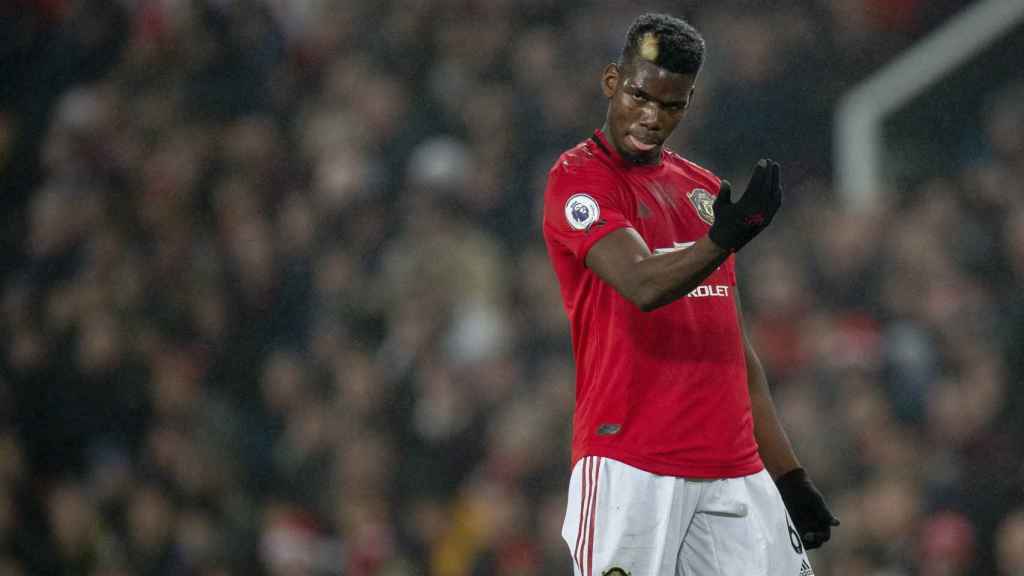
648, 280
773, 444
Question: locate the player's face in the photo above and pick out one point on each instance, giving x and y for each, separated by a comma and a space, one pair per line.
645, 103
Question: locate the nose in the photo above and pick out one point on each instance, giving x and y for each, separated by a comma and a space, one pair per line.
649, 116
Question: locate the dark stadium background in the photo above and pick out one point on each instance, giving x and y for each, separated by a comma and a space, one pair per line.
274, 298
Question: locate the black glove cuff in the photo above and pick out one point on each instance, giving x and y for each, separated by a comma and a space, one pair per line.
724, 238
792, 478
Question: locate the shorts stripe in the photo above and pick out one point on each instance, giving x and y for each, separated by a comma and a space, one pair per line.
585, 483
593, 513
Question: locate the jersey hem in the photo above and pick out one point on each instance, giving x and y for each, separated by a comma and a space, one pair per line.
662, 468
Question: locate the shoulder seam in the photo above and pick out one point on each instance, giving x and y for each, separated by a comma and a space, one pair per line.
582, 161
700, 170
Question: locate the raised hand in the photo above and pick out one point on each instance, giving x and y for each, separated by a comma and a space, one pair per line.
739, 221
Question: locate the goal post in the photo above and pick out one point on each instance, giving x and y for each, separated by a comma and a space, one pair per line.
859, 141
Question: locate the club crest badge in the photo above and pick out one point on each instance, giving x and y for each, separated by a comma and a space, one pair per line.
702, 202
581, 211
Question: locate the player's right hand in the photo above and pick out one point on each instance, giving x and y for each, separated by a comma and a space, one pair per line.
736, 223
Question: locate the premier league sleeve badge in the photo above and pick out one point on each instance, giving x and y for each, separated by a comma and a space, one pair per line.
581, 211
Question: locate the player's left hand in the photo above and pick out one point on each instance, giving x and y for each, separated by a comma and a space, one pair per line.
737, 222
814, 521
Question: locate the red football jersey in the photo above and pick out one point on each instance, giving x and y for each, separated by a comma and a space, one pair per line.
664, 391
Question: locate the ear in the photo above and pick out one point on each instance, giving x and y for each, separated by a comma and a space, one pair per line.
610, 79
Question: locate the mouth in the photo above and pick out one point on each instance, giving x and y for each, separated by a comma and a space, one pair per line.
641, 145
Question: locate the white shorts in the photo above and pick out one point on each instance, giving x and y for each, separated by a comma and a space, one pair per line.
624, 521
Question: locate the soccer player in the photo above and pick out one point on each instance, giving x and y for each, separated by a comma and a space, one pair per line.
676, 441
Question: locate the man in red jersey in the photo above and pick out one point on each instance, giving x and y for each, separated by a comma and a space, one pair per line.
675, 437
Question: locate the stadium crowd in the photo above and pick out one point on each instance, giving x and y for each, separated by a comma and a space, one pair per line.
275, 299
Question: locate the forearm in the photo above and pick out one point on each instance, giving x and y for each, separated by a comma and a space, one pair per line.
773, 444
667, 277
653, 280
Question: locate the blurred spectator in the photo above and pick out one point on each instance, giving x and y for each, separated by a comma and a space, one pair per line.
946, 546
1010, 544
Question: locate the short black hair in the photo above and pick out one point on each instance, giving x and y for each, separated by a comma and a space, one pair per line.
666, 41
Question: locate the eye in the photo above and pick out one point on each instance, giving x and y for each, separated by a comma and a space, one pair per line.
636, 97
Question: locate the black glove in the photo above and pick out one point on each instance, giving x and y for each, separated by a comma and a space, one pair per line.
807, 508
737, 222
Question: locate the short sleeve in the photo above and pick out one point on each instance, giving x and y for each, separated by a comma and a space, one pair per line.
582, 204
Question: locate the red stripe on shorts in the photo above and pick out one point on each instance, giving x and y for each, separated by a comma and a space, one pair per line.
593, 513
584, 495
